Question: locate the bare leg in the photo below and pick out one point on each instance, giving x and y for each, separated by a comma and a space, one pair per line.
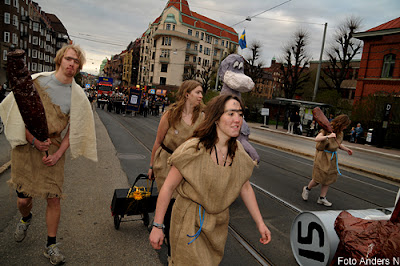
24, 206
312, 184
53, 213
324, 190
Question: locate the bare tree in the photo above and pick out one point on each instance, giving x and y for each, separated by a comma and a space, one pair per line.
205, 74
341, 52
294, 65
190, 72
254, 69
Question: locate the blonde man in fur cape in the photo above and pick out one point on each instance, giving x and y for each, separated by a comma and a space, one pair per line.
33, 174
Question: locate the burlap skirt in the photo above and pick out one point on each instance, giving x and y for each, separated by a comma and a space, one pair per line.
30, 176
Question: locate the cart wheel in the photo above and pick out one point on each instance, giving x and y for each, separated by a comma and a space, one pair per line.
146, 219
117, 221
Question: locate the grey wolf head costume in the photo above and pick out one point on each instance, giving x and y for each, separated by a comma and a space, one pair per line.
231, 72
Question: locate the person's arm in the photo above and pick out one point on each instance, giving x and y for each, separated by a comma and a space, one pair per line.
161, 132
40, 145
349, 151
321, 137
173, 179
249, 199
52, 159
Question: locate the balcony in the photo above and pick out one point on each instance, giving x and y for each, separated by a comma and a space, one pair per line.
164, 59
219, 47
173, 33
190, 64
192, 51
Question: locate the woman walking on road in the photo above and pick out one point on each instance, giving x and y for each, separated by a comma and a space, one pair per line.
176, 126
208, 171
326, 165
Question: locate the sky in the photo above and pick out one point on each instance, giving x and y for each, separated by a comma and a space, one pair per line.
104, 28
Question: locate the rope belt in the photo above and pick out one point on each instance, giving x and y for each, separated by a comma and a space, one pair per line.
337, 161
166, 148
201, 225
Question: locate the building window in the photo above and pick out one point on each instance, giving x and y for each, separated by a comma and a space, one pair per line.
34, 65
6, 36
388, 65
168, 27
15, 21
6, 18
202, 36
35, 40
15, 38
197, 34
7, 2
35, 28
5, 55
188, 45
164, 67
153, 55
215, 52
163, 81
34, 53
190, 32
173, 27
201, 48
187, 58
152, 68
166, 41
194, 59
164, 53
195, 47
199, 61
222, 42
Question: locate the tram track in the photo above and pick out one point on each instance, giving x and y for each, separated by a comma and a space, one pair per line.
269, 164
260, 258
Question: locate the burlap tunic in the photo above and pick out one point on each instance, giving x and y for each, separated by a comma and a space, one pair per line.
325, 170
174, 137
214, 187
28, 173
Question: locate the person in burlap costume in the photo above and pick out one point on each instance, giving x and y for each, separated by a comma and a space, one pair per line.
175, 127
33, 173
326, 166
208, 171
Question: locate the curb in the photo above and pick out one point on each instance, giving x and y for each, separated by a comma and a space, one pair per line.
5, 166
311, 139
390, 178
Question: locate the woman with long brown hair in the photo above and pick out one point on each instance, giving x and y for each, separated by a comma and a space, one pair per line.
175, 127
208, 171
326, 167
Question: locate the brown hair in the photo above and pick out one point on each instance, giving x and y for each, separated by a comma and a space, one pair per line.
175, 112
340, 123
207, 130
60, 54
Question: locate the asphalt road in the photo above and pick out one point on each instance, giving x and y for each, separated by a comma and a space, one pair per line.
280, 173
86, 227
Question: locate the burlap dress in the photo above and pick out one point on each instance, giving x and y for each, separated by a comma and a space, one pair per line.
28, 173
175, 136
325, 168
215, 188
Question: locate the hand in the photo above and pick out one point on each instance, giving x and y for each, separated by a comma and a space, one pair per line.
265, 234
156, 238
150, 174
42, 145
50, 160
349, 152
332, 135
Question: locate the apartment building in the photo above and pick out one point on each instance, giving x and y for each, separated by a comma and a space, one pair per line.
180, 41
24, 25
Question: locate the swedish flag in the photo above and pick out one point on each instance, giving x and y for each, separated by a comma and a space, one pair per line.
242, 40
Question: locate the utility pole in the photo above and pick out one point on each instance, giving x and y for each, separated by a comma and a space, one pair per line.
319, 65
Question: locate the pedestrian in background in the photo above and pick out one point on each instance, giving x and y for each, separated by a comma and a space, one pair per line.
35, 175
175, 127
326, 167
209, 171
358, 133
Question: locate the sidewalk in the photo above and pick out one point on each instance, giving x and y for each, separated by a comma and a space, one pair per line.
86, 228
382, 162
